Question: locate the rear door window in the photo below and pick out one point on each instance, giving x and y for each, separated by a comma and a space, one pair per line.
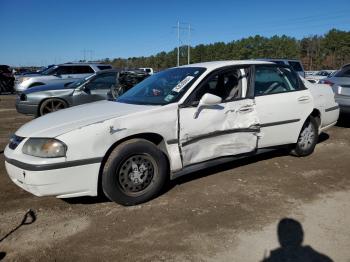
64, 70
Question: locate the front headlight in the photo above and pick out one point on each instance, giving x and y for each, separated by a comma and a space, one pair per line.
23, 79
44, 147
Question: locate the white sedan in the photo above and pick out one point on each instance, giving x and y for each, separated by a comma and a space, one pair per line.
172, 123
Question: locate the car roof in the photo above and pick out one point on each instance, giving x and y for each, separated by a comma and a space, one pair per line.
108, 71
216, 64
83, 64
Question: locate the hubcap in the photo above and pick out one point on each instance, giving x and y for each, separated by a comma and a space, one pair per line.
136, 174
52, 106
307, 137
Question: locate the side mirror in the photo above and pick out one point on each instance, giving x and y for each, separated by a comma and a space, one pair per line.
57, 75
207, 100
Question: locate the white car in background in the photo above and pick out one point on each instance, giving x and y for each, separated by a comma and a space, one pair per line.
172, 123
319, 75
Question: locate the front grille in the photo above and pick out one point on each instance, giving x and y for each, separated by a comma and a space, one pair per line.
15, 141
22, 97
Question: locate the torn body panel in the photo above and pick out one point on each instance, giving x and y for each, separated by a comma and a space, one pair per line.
215, 131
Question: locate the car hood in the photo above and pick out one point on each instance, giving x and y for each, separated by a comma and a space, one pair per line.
51, 87
63, 121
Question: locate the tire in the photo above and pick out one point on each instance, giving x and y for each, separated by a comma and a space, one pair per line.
51, 105
127, 187
307, 139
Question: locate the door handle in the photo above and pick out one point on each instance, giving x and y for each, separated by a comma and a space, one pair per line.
245, 109
304, 99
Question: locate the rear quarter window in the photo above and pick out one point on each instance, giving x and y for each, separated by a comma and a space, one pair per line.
296, 66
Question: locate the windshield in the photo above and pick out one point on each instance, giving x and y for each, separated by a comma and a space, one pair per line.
49, 71
162, 88
79, 82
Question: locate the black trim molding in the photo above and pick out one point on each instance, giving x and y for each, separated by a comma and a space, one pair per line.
32, 167
219, 133
332, 108
280, 123
172, 141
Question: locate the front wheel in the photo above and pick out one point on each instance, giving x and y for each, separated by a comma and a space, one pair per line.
51, 105
134, 173
307, 139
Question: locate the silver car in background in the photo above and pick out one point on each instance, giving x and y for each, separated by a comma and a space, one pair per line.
63, 73
340, 83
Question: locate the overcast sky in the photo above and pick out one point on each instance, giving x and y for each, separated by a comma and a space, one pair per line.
36, 32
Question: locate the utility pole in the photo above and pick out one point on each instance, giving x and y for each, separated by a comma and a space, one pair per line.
178, 28
178, 43
189, 44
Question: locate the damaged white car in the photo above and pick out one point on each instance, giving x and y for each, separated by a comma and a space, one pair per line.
170, 124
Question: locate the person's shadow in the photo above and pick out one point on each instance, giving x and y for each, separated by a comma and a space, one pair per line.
291, 236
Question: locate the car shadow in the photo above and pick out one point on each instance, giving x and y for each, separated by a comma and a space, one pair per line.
87, 200
290, 236
344, 120
227, 166
283, 151
322, 137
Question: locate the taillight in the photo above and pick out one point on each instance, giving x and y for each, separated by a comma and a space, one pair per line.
327, 82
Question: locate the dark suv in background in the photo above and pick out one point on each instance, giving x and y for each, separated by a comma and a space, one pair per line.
6, 79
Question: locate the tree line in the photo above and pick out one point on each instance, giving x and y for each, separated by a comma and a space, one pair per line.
328, 51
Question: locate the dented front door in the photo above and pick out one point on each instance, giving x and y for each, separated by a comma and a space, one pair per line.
226, 129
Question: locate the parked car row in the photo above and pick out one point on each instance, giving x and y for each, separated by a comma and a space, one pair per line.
168, 125
104, 84
63, 73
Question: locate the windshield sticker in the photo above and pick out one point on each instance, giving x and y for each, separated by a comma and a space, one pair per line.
169, 97
182, 84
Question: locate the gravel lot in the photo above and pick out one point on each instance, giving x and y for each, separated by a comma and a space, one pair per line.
225, 213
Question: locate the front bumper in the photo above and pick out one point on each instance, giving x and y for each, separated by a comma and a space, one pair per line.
26, 108
62, 179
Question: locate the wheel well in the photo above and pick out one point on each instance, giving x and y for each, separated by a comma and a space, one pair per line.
317, 115
57, 98
154, 138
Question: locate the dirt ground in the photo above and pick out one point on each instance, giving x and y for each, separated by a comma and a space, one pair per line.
225, 213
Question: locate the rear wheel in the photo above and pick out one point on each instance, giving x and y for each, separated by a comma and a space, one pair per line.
135, 172
51, 105
308, 138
